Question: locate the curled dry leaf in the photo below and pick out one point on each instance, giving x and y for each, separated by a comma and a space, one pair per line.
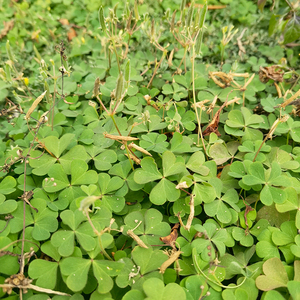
7, 27
221, 79
273, 72
64, 21
170, 239
71, 34
213, 125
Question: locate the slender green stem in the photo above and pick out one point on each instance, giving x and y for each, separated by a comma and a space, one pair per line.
114, 121
99, 234
116, 53
53, 102
217, 282
195, 105
289, 4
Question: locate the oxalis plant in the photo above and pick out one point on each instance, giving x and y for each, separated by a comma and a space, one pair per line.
154, 176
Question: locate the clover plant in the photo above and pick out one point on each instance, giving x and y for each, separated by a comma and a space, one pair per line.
140, 160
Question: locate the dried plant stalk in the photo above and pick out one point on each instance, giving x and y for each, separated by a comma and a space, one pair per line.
137, 239
120, 137
287, 102
174, 256
133, 145
192, 213
134, 158
34, 105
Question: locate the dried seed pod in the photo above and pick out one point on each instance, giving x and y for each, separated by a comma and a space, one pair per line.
173, 21
96, 87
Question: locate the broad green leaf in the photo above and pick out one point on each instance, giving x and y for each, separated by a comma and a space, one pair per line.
292, 29
275, 275
58, 179
219, 153
133, 295
16, 224
273, 295
148, 173
80, 174
9, 264
266, 250
41, 162
76, 269
103, 271
192, 284
7, 185
108, 184
148, 259
8, 206
151, 227
204, 192
45, 220
163, 191
170, 166
57, 146
286, 235
76, 152
45, 272
155, 290
64, 241
104, 160
179, 143
242, 236
195, 163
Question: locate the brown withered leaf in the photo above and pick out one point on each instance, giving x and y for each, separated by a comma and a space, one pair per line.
64, 21
247, 210
273, 72
71, 34
7, 27
214, 124
170, 239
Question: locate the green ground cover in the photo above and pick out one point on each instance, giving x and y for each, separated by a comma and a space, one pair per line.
149, 150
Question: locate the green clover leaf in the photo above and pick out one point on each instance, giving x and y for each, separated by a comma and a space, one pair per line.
155, 290
212, 236
76, 271
270, 178
165, 189
7, 185
64, 239
151, 227
275, 275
